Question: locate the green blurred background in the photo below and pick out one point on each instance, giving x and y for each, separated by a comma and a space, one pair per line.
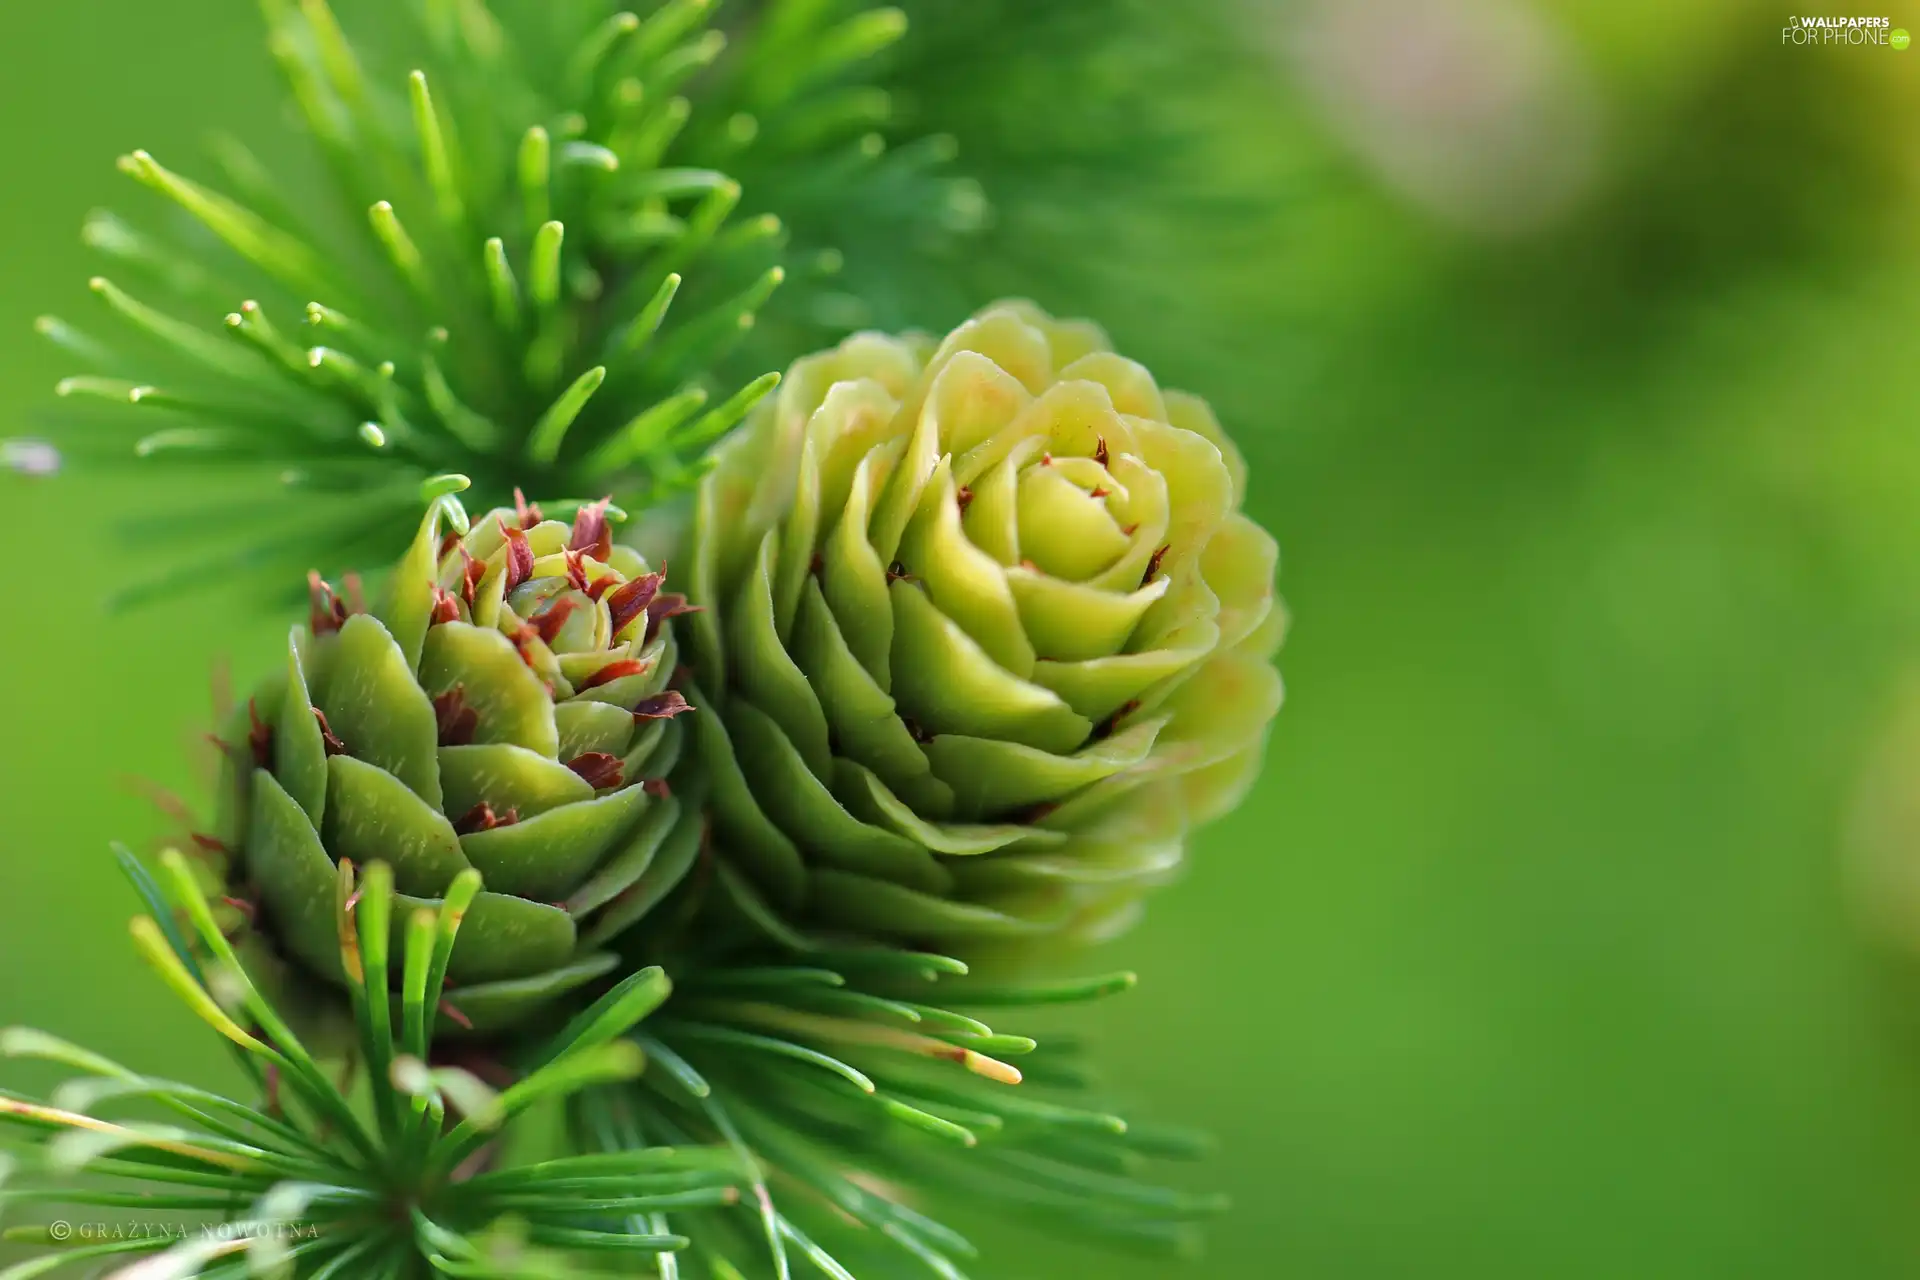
1571, 349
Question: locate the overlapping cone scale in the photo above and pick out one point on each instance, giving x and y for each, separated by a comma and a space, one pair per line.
506, 710
985, 634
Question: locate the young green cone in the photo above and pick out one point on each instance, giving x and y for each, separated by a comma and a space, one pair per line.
505, 710
985, 634
445, 819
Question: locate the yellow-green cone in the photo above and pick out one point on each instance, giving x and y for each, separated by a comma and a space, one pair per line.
985, 634
503, 710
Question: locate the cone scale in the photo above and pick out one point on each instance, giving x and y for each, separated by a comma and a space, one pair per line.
984, 635
504, 710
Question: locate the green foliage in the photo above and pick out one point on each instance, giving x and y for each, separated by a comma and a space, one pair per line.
527, 264
869, 1109
1100, 135
317, 1178
797, 1102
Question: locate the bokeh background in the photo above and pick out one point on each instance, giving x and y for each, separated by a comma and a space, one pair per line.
1572, 349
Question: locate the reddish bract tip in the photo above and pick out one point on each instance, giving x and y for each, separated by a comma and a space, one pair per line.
1153, 565
446, 1007
523, 640
356, 593
332, 744
657, 788
963, 497
519, 556
259, 738
577, 571
897, 572
482, 818
446, 607
661, 706
1100, 451
529, 512
613, 671
549, 620
1106, 727
1098, 491
600, 770
448, 541
457, 721
211, 844
631, 599
669, 604
327, 612
471, 573
590, 533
